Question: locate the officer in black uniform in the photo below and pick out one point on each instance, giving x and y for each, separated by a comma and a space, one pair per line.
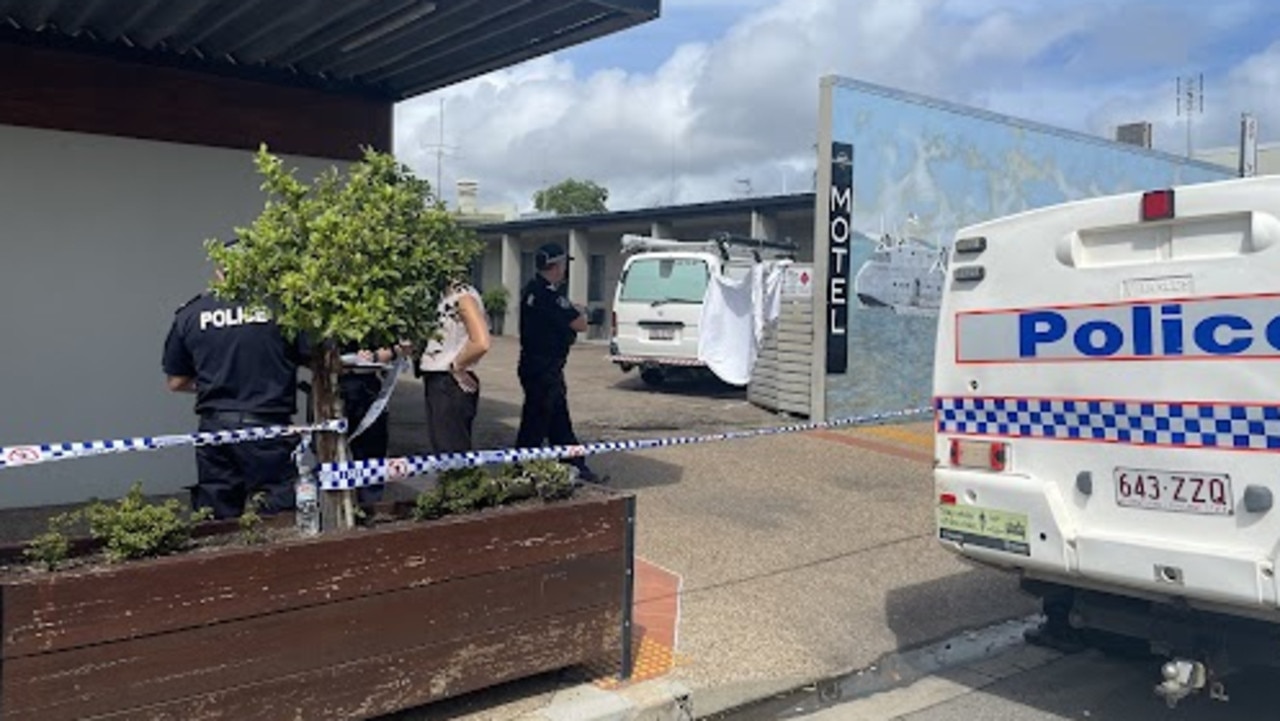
243, 373
549, 324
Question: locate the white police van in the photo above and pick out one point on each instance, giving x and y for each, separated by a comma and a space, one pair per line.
1107, 400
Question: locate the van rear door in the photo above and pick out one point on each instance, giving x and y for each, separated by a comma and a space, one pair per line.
1107, 386
658, 305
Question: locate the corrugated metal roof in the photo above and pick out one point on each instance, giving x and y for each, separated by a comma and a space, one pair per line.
389, 48
708, 210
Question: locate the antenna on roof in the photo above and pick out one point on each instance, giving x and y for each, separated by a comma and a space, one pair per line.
441, 149
1194, 99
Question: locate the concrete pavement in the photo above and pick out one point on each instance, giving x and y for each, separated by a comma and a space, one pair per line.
802, 556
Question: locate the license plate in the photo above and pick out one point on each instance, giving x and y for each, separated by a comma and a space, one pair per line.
1178, 491
662, 334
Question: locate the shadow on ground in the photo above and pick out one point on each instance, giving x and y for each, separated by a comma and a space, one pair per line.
1100, 688
532, 693
925, 612
698, 385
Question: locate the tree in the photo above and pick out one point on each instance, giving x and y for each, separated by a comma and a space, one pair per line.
362, 258
572, 197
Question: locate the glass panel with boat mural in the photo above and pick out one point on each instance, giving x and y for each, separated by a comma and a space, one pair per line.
921, 170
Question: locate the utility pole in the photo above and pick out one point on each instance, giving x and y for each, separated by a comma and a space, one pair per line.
1190, 97
441, 149
440, 153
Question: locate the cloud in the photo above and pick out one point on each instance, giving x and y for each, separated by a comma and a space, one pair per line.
744, 104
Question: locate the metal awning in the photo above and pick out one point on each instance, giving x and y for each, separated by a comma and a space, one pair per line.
392, 49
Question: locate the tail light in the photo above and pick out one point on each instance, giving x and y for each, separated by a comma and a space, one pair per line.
947, 499
613, 323
981, 455
1157, 205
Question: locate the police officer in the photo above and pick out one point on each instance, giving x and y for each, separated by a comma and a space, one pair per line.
549, 324
243, 373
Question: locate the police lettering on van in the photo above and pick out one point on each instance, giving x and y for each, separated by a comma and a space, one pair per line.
1247, 326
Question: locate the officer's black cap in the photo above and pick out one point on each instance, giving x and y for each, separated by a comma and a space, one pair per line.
549, 254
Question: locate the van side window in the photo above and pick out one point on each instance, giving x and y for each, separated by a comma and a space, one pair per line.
674, 280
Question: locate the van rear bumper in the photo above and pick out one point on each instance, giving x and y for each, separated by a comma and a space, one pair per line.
655, 360
1054, 547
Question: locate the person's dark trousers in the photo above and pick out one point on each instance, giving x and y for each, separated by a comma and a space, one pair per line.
359, 391
545, 415
451, 413
229, 475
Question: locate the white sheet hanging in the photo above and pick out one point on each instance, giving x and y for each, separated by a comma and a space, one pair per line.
767, 295
734, 315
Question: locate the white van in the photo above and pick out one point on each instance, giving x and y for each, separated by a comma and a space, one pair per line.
657, 305
1107, 399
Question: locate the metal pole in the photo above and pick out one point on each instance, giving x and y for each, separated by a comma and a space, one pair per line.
440, 157
628, 590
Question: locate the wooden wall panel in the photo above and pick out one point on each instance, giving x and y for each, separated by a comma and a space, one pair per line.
65, 90
196, 589
158, 669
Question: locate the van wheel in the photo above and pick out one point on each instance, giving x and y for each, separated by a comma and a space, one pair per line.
653, 377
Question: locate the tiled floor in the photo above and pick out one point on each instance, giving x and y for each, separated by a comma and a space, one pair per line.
655, 627
912, 442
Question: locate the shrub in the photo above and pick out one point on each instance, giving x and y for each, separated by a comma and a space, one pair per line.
471, 489
514, 485
133, 528
52, 547
552, 479
251, 531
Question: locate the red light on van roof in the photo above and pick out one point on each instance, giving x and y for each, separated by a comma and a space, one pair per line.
1157, 205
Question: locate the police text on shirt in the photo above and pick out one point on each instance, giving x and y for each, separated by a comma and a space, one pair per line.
231, 317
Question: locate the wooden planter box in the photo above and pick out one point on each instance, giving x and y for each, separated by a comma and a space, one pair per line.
351, 625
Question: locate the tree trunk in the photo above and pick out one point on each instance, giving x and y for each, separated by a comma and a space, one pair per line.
337, 508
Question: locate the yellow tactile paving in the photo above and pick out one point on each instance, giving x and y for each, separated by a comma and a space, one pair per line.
919, 438
650, 660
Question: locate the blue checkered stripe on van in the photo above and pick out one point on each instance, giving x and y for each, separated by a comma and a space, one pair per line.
1179, 424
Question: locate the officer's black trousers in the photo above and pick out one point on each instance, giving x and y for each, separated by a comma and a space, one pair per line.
544, 419
359, 391
229, 475
451, 412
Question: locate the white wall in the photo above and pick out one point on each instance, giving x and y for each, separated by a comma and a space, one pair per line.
1268, 157
101, 241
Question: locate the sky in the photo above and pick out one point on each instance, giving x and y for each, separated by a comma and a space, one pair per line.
718, 98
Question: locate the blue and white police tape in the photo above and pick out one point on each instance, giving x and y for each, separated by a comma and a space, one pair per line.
377, 471
14, 456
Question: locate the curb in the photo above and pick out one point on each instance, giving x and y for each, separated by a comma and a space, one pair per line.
656, 700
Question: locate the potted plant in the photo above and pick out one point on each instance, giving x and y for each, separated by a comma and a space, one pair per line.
159, 614
495, 305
